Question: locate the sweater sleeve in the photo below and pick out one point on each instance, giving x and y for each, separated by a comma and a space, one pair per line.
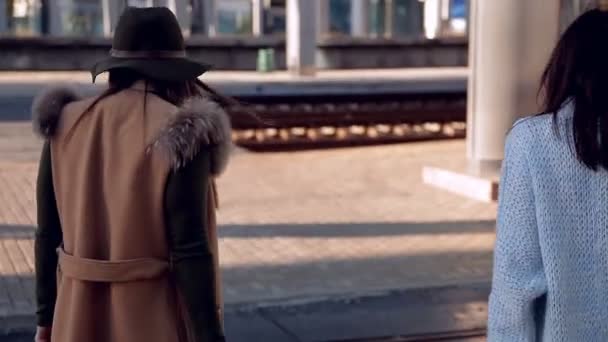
48, 239
193, 267
519, 279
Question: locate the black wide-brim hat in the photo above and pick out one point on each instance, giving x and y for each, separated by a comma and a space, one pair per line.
150, 42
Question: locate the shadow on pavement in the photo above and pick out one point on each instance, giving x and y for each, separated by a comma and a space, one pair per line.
331, 299
356, 229
393, 314
349, 270
330, 230
17, 232
15, 108
250, 284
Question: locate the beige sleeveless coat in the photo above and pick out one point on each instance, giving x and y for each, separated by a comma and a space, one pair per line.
110, 168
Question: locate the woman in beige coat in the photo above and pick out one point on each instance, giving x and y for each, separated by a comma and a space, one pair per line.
126, 248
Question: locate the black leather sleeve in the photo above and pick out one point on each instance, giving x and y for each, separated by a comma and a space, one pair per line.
192, 262
48, 239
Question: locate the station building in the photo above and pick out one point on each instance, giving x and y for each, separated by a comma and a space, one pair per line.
372, 18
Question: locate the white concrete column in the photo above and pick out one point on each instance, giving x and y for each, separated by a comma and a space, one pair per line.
106, 13
323, 18
302, 36
389, 18
111, 9
258, 12
432, 18
210, 14
170, 4
444, 10
359, 18
180, 9
510, 43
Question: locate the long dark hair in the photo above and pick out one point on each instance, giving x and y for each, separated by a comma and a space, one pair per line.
578, 72
175, 93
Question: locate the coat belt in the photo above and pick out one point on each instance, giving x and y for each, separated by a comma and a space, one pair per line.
104, 271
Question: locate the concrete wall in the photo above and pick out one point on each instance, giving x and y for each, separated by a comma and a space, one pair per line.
238, 54
360, 53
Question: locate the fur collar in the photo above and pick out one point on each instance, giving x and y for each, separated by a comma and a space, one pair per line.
198, 122
47, 108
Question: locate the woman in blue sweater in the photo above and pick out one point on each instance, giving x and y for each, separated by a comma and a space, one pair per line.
551, 258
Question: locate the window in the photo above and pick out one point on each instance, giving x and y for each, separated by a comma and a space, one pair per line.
234, 17
339, 18
458, 16
81, 17
407, 18
21, 17
377, 18
276, 19
458, 9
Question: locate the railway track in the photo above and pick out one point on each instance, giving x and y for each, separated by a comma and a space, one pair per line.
306, 123
297, 123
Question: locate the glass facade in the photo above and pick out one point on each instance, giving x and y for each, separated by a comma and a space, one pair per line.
339, 18
276, 20
383, 18
22, 17
571, 9
407, 20
376, 18
459, 9
458, 16
234, 17
81, 18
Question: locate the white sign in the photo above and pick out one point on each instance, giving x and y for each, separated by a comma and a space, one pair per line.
20, 8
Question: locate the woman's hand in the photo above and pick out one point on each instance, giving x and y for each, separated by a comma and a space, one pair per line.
43, 334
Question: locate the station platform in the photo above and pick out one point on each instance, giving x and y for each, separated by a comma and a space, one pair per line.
254, 84
307, 239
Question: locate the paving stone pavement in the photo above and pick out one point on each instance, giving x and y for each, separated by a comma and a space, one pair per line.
297, 226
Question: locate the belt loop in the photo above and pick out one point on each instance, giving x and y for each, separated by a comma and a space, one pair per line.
111, 271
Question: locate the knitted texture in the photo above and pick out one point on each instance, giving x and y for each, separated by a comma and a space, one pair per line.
550, 278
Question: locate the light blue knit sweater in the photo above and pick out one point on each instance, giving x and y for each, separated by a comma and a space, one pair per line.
551, 259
